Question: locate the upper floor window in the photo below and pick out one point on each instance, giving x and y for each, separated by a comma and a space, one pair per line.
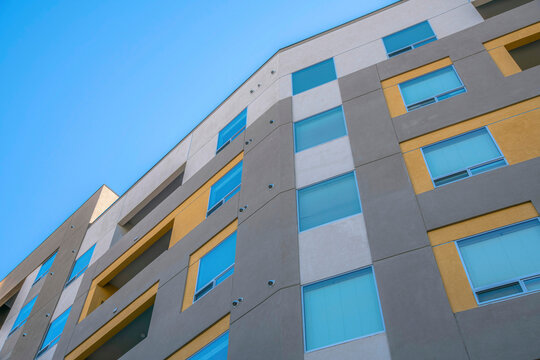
319, 129
55, 331
232, 130
408, 39
216, 350
341, 309
225, 188
503, 262
462, 156
81, 264
431, 88
313, 76
216, 266
45, 268
328, 201
23, 315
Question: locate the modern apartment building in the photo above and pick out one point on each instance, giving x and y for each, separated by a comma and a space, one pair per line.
372, 192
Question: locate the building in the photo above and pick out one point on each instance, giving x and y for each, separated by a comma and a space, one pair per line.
369, 193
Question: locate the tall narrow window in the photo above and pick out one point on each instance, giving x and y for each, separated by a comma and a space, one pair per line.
328, 201
462, 156
313, 76
503, 262
431, 88
81, 264
341, 309
232, 130
319, 129
55, 331
216, 350
408, 39
23, 315
216, 266
45, 268
225, 188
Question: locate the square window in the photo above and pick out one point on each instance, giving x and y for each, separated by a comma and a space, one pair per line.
408, 39
313, 76
23, 315
526, 56
216, 350
232, 130
504, 262
341, 309
55, 331
431, 88
319, 129
462, 156
328, 201
225, 188
45, 268
80, 265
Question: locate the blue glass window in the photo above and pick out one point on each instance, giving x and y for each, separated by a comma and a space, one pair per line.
462, 156
45, 268
431, 88
23, 314
328, 201
313, 76
216, 266
503, 262
341, 309
216, 350
54, 332
232, 130
81, 264
225, 188
409, 38
319, 129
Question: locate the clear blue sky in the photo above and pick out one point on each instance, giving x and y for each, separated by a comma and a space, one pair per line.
96, 92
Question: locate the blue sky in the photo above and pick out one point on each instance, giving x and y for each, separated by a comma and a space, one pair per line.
96, 92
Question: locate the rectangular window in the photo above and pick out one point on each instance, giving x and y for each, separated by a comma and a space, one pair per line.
216, 350
23, 315
526, 56
54, 332
431, 88
319, 129
341, 309
80, 265
503, 262
45, 268
408, 39
496, 7
462, 156
328, 201
216, 266
232, 130
313, 76
225, 188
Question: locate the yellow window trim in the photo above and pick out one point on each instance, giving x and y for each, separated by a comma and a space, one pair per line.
193, 270
115, 325
203, 339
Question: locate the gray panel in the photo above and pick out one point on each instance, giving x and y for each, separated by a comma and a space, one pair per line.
359, 83
393, 221
266, 249
504, 330
419, 321
481, 194
279, 329
270, 163
370, 128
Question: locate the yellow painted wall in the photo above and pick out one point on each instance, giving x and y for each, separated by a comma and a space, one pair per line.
390, 86
516, 129
193, 270
202, 339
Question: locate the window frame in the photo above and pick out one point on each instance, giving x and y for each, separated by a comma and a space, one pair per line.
236, 134
79, 274
334, 277
228, 196
211, 342
320, 182
15, 328
43, 348
436, 98
412, 46
495, 286
294, 93
39, 277
469, 169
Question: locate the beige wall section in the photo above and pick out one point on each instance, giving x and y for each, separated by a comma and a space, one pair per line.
202, 339
418, 171
106, 199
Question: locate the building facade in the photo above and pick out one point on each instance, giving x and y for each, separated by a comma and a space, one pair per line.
371, 192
